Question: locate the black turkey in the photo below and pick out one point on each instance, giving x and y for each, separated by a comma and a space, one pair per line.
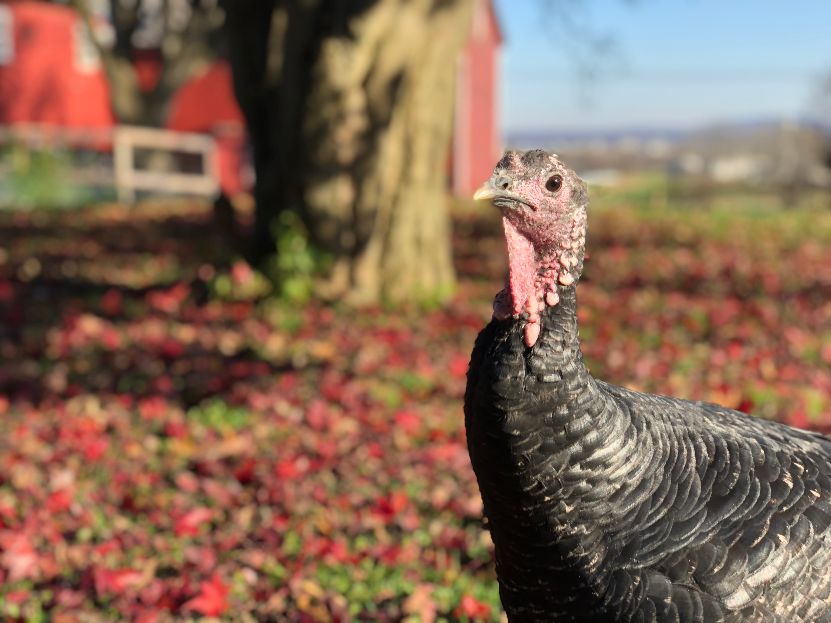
606, 504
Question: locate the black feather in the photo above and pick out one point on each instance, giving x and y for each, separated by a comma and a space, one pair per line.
611, 505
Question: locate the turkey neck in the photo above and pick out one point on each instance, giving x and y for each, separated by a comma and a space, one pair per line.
550, 449
560, 342
554, 429
579, 429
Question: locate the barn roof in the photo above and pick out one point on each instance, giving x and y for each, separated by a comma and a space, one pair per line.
487, 11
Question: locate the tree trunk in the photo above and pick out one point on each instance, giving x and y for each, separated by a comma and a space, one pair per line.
353, 107
270, 67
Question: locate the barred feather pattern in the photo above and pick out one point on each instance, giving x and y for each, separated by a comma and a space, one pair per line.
606, 504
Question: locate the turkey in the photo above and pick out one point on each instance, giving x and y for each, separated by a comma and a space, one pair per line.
606, 504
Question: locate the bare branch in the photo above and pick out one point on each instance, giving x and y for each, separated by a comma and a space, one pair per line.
125, 20
593, 52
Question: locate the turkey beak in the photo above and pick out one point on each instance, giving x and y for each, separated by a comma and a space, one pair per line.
485, 191
498, 190
499, 185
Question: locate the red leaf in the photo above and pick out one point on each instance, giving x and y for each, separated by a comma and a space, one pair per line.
59, 501
114, 581
202, 558
7, 515
94, 448
152, 408
110, 338
289, 469
421, 604
458, 366
111, 302
408, 421
472, 608
177, 430
374, 450
745, 405
244, 472
388, 506
69, 599
317, 415
170, 300
147, 616
443, 453
241, 272
19, 557
6, 291
211, 600
170, 348
18, 597
189, 523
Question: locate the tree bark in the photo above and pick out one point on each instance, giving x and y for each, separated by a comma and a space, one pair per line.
350, 105
270, 61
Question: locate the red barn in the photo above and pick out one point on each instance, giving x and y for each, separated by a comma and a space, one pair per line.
477, 143
49, 72
206, 104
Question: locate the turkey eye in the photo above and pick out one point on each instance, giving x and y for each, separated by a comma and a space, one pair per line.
554, 183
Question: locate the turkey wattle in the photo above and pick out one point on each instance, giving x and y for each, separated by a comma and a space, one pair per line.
606, 504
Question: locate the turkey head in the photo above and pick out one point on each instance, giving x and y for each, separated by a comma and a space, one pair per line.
543, 205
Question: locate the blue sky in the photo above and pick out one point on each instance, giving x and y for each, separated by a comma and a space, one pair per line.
676, 63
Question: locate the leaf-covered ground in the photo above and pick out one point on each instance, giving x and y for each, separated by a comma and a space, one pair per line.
173, 447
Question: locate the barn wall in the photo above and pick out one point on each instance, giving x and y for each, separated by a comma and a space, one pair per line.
48, 75
476, 142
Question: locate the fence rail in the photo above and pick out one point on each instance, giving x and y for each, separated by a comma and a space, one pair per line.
129, 179
38, 135
126, 175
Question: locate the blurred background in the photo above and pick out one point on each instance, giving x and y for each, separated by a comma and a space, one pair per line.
241, 275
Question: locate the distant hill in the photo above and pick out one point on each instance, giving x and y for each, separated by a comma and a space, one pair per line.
754, 150
557, 138
545, 139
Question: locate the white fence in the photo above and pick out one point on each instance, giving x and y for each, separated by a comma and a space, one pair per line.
129, 179
124, 141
